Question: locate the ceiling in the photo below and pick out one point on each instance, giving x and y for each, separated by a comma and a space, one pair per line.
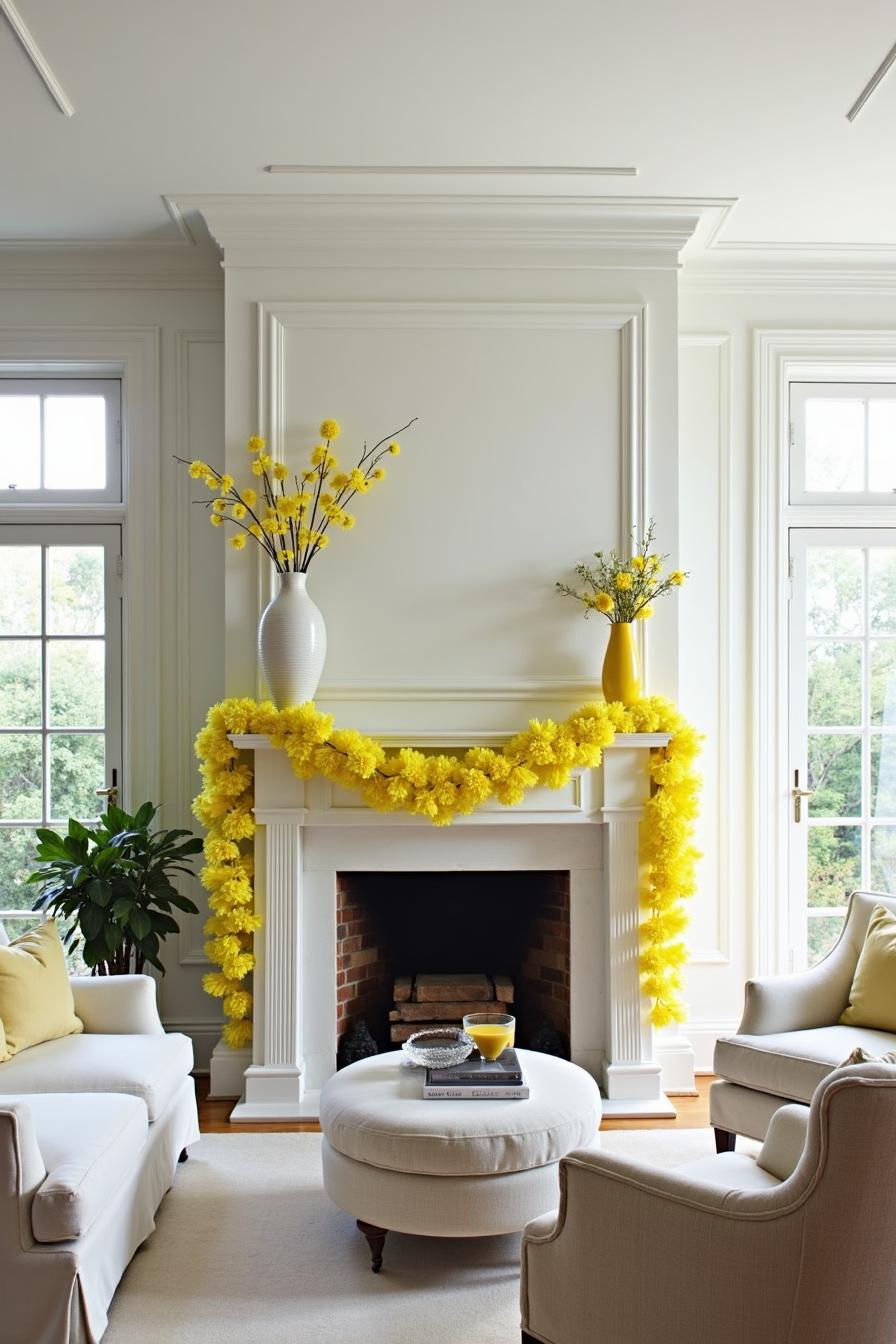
171, 98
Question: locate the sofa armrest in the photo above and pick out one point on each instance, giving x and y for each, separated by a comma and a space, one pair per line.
22, 1172
117, 1004
813, 998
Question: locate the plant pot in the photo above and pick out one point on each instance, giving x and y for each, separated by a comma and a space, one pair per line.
292, 643
621, 675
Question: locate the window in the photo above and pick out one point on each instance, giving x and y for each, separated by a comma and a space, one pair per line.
843, 443
60, 440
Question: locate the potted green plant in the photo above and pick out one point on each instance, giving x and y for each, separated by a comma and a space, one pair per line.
111, 886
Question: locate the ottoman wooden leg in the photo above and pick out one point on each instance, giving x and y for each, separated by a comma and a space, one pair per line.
376, 1240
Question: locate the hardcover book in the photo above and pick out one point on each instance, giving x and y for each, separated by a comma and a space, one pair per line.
475, 1092
500, 1072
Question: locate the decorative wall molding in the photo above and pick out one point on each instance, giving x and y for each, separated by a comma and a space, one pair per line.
191, 938
699, 277
722, 784
628, 320
444, 170
37, 58
576, 692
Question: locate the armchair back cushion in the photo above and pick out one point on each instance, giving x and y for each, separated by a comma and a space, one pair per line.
36, 1002
872, 998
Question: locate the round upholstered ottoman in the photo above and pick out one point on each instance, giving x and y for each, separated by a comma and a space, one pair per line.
449, 1168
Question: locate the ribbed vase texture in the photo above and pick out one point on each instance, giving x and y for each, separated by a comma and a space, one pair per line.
621, 677
292, 643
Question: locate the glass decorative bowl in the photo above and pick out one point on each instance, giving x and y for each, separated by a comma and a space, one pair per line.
439, 1047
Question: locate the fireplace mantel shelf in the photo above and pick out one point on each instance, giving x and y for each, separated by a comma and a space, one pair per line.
310, 831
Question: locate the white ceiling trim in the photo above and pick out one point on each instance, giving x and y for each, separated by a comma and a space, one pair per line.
37, 58
448, 170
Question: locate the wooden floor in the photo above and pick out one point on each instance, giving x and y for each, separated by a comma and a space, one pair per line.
214, 1116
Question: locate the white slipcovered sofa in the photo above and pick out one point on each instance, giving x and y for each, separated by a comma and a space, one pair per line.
794, 1247
790, 1036
91, 1128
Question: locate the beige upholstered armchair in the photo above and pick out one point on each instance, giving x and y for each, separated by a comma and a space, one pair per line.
790, 1037
795, 1247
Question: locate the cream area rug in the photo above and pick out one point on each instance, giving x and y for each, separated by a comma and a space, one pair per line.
249, 1250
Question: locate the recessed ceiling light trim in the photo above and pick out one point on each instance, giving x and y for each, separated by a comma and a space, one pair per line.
882, 70
449, 170
37, 58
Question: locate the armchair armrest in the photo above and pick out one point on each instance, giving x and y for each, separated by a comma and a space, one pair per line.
611, 1267
117, 1004
22, 1172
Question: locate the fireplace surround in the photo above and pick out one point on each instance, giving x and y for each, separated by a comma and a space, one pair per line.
312, 833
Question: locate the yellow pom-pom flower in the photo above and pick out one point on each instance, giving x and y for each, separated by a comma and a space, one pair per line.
604, 602
219, 506
379, 473
676, 577
250, 496
623, 581
238, 542
330, 429
225, 484
198, 470
256, 444
258, 467
239, 510
215, 519
644, 614
280, 471
394, 448
638, 562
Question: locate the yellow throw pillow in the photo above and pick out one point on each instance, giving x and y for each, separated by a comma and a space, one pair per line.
36, 1002
872, 999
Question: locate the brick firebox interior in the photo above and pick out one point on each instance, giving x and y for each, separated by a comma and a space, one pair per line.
510, 923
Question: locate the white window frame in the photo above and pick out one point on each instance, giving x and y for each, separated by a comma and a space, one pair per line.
852, 389
781, 358
73, 385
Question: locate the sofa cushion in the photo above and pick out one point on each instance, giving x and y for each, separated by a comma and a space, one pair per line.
149, 1067
90, 1144
374, 1111
792, 1063
36, 1002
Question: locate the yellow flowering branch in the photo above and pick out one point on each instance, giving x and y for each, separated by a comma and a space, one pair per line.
440, 788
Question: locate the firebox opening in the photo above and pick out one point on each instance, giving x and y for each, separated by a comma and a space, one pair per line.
497, 924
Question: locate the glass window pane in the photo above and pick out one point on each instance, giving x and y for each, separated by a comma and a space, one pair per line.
76, 596
835, 864
19, 443
77, 770
75, 443
883, 858
882, 444
17, 860
76, 669
883, 683
20, 590
835, 685
882, 589
883, 775
20, 683
822, 935
835, 444
20, 777
835, 581
835, 774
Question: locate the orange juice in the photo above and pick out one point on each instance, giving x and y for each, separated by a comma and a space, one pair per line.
491, 1038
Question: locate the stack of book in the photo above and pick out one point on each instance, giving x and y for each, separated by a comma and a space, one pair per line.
478, 1079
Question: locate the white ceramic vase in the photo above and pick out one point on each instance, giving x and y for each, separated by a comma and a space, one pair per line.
292, 643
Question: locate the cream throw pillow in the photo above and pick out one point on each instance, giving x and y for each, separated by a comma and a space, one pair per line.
872, 999
36, 1002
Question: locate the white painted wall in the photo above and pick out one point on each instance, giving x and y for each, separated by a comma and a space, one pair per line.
717, 420
187, 324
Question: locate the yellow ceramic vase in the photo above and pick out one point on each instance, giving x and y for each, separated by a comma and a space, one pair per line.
621, 677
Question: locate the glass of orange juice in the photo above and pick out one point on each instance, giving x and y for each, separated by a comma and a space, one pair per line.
492, 1032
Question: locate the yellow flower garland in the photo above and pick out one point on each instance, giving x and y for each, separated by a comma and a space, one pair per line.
441, 788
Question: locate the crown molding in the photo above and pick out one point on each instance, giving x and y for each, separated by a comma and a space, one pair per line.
743, 277
445, 170
70, 266
249, 227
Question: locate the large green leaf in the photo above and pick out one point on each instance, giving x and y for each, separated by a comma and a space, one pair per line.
139, 922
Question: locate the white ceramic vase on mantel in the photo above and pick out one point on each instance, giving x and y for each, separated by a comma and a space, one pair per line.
292, 643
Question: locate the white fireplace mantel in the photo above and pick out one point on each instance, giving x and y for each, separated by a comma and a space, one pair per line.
311, 830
